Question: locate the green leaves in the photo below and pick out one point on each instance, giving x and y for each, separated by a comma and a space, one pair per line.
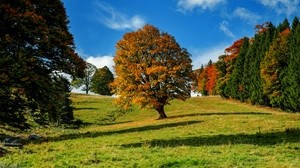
101, 81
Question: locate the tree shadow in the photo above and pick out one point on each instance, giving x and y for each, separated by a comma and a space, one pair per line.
218, 113
123, 131
262, 139
85, 108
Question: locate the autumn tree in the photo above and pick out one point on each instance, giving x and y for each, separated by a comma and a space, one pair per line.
35, 47
86, 81
101, 80
151, 69
202, 81
272, 67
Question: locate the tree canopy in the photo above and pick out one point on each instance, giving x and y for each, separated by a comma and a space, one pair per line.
86, 81
101, 80
151, 69
35, 48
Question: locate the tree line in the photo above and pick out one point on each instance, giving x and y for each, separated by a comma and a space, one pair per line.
264, 69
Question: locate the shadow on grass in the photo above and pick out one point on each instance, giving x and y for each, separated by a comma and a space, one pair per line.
123, 131
218, 113
86, 108
263, 139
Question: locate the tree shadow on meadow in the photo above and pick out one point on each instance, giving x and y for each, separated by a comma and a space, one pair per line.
263, 139
85, 108
218, 113
123, 131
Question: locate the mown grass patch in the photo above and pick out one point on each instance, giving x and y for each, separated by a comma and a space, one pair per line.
200, 132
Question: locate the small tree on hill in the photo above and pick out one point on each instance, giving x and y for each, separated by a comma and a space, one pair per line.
151, 69
101, 80
87, 79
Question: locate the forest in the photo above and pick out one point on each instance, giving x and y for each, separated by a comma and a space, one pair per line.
262, 70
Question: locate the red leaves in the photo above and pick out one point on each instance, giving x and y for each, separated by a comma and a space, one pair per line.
233, 51
207, 79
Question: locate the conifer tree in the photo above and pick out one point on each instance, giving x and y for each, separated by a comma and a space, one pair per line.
272, 67
235, 82
291, 80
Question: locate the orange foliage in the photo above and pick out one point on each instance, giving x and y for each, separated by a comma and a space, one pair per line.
151, 69
285, 32
233, 51
212, 75
262, 28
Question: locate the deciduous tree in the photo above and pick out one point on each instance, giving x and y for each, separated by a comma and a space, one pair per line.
101, 81
151, 69
86, 81
35, 45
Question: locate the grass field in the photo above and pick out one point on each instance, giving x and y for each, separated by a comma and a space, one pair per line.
200, 132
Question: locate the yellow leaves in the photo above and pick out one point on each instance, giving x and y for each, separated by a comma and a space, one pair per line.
156, 70
150, 65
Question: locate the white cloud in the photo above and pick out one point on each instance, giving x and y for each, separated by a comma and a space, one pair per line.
117, 20
224, 27
203, 56
287, 7
101, 61
247, 15
190, 5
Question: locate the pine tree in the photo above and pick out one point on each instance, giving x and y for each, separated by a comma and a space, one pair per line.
272, 67
291, 80
262, 41
235, 82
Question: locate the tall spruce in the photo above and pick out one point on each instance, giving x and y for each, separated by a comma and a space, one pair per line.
291, 80
262, 41
235, 82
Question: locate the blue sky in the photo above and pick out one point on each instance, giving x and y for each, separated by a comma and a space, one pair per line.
204, 27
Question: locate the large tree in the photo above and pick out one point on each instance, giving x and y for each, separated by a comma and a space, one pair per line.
101, 80
151, 69
35, 46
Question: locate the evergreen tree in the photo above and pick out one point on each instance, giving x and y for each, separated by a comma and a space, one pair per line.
235, 82
272, 67
221, 82
262, 41
291, 80
296, 22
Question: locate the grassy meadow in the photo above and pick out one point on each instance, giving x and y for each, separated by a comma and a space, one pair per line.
200, 132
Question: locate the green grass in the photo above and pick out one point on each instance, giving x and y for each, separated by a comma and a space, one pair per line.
200, 132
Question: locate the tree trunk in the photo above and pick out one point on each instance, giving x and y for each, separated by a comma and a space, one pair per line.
161, 112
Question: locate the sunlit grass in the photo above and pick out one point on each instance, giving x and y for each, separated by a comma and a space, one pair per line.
200, 132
